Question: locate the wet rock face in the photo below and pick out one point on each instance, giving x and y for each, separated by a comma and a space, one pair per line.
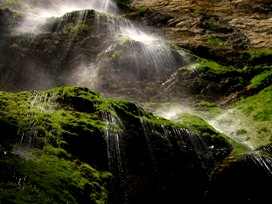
245, 23
43, 60
151, 159
244, 181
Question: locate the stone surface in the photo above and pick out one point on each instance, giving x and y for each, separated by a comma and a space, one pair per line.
236, 24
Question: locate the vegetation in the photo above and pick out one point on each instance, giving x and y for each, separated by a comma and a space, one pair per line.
37, 157
61, 145
214, 41
45, 178
56, 138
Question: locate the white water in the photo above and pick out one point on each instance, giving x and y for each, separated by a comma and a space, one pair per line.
264, 163
155, 50
38, 12
113, 142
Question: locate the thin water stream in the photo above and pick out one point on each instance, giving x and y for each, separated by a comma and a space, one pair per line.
134, 59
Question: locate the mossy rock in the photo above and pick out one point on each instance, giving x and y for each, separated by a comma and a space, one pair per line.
69, 144
57, 136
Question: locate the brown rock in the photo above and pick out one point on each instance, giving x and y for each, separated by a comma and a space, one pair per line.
237, 24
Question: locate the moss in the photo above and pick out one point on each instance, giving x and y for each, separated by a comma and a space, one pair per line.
213, 66
250, 119
115, 55
261, 81
207, 110
195, 123
208, 78
240, 131
142, 8
213, 40
198, 124
43, 120
260, 56
45, 178
259, 106
57, 141
199, 10
14, 5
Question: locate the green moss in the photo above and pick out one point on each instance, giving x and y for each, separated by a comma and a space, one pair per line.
258, 106
205, 104
66, 126
207, 110
240, 132
250, 119
199, 10
209, 78
213, 40
45, 178
261, 80
196, 123
260, 56
142, 8
213, 66
46, 167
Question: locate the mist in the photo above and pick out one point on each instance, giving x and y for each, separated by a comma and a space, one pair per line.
37, 11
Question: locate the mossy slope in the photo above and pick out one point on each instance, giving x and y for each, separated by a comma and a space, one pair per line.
64, 144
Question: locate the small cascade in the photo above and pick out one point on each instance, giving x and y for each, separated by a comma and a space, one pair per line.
147, 129
195, 143
148, 56
263, 163
152, 49
19, 180
131, 60
115, 158
27, 135
44, 102
172, 155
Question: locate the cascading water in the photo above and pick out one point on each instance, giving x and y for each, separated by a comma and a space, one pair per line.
115, 158
146, 162
131, 60
27, 137
125, 58
36, 17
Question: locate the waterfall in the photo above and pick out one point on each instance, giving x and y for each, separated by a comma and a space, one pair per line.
87, 43
38, 12
148, 160
115, 158
130, 59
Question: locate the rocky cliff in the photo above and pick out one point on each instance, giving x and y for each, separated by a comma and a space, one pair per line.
198, 127
234, 24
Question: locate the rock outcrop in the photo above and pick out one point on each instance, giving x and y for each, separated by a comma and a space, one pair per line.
236, 24
71, 145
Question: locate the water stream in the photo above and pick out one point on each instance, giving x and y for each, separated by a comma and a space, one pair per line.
131, 59
128, 60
